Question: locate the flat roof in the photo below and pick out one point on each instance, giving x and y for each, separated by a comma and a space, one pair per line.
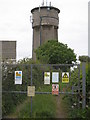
8, 41
41, 7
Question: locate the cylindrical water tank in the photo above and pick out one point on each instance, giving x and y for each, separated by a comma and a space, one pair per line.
45, 25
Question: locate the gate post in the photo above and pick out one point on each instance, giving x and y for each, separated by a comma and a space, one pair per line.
0, 80
31, 85
83, 85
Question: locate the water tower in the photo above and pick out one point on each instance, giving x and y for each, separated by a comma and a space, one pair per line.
45, 21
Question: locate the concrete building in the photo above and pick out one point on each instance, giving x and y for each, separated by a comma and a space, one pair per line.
45, 21
8, 50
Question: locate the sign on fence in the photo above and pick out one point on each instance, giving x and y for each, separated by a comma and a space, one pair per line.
55, 89
18, 77
46, 77
31, 91
55, 77
65, 77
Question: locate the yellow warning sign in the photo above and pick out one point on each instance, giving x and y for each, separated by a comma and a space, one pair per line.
65, 77
31, 91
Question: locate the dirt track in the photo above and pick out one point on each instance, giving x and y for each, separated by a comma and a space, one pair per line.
61, 111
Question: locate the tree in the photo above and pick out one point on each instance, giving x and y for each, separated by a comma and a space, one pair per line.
84, 58
54, 52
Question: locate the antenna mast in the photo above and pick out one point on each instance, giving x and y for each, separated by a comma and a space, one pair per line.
50, 4
46, 2
43, 3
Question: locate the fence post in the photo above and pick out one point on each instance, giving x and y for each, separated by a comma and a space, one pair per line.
31, 85
78, 86
83, 85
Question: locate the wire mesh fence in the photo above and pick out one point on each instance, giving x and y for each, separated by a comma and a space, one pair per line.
15, 100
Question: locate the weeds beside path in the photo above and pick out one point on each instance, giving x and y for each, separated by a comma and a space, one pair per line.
18, 109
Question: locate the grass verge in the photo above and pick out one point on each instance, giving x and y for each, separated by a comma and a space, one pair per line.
43, 106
